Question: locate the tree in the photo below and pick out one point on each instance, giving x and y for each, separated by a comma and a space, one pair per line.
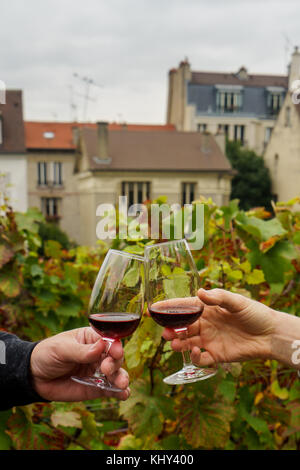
252, 182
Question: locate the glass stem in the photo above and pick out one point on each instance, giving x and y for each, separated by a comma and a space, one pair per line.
186, 356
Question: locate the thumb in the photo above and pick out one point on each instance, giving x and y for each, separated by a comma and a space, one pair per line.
223, 298
82, 353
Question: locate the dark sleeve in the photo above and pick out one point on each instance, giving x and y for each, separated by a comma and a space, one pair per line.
15, 381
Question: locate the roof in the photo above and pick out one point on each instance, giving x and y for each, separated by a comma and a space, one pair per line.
214, 78
60, 135
156, 151
11, 114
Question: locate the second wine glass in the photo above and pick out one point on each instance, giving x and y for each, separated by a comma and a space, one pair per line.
172, 282
116, 305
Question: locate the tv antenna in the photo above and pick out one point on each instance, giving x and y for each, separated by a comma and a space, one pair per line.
287, 47
87, 82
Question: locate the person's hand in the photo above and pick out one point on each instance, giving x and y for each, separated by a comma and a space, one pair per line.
76, 352
231, 328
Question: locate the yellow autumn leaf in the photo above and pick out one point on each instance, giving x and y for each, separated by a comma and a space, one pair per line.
66, 418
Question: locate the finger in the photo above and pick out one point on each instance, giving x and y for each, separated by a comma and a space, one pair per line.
179, 302
116, 350
71, 351
168, 334
186, 344
201, 358
222, 298
109, 365
119, 378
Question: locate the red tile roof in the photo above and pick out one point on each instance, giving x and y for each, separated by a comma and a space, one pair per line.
63, 133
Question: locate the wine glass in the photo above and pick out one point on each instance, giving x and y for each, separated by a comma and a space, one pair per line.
172, 282
116, 305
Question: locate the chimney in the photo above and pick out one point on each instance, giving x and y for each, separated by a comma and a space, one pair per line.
102, 137
221, 141
294, 69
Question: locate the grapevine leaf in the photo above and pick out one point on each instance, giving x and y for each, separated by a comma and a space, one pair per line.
6, 254
66, 418
9, 285
255, 277
30, 436
131, 278
261, 229
207, 426
279, 392
69, 308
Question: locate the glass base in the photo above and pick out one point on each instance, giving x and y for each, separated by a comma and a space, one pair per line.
189, 375
99, 382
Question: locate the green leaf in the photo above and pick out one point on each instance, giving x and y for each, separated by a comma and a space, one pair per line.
207, 426
142, 343
177, 286
9, 285
36, 270
6, 254
296, 238
132, 277
29, 220
228, 389
69, 308
235, 275
27, 435
52, 249
255, 277
279, 392
143, 411
5, 440
260, 229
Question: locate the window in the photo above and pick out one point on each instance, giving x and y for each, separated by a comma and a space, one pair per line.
136, 192
224, 128
49, 135
42, 173
229, 101
188, 193
57, 173
201, 127
50, 207
239, 132
268, 132
274, 102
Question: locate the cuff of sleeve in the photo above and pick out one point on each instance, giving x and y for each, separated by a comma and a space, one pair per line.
15, 377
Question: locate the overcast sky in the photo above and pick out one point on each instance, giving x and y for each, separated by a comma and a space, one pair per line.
127, 47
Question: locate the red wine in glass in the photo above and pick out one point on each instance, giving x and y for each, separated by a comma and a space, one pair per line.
114, 325
172, 282
116, 305
176, 317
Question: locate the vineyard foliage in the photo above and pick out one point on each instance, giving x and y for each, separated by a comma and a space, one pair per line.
254, 405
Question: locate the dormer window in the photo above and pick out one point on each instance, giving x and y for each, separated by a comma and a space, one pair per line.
49, 135
275, 99
229, 98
